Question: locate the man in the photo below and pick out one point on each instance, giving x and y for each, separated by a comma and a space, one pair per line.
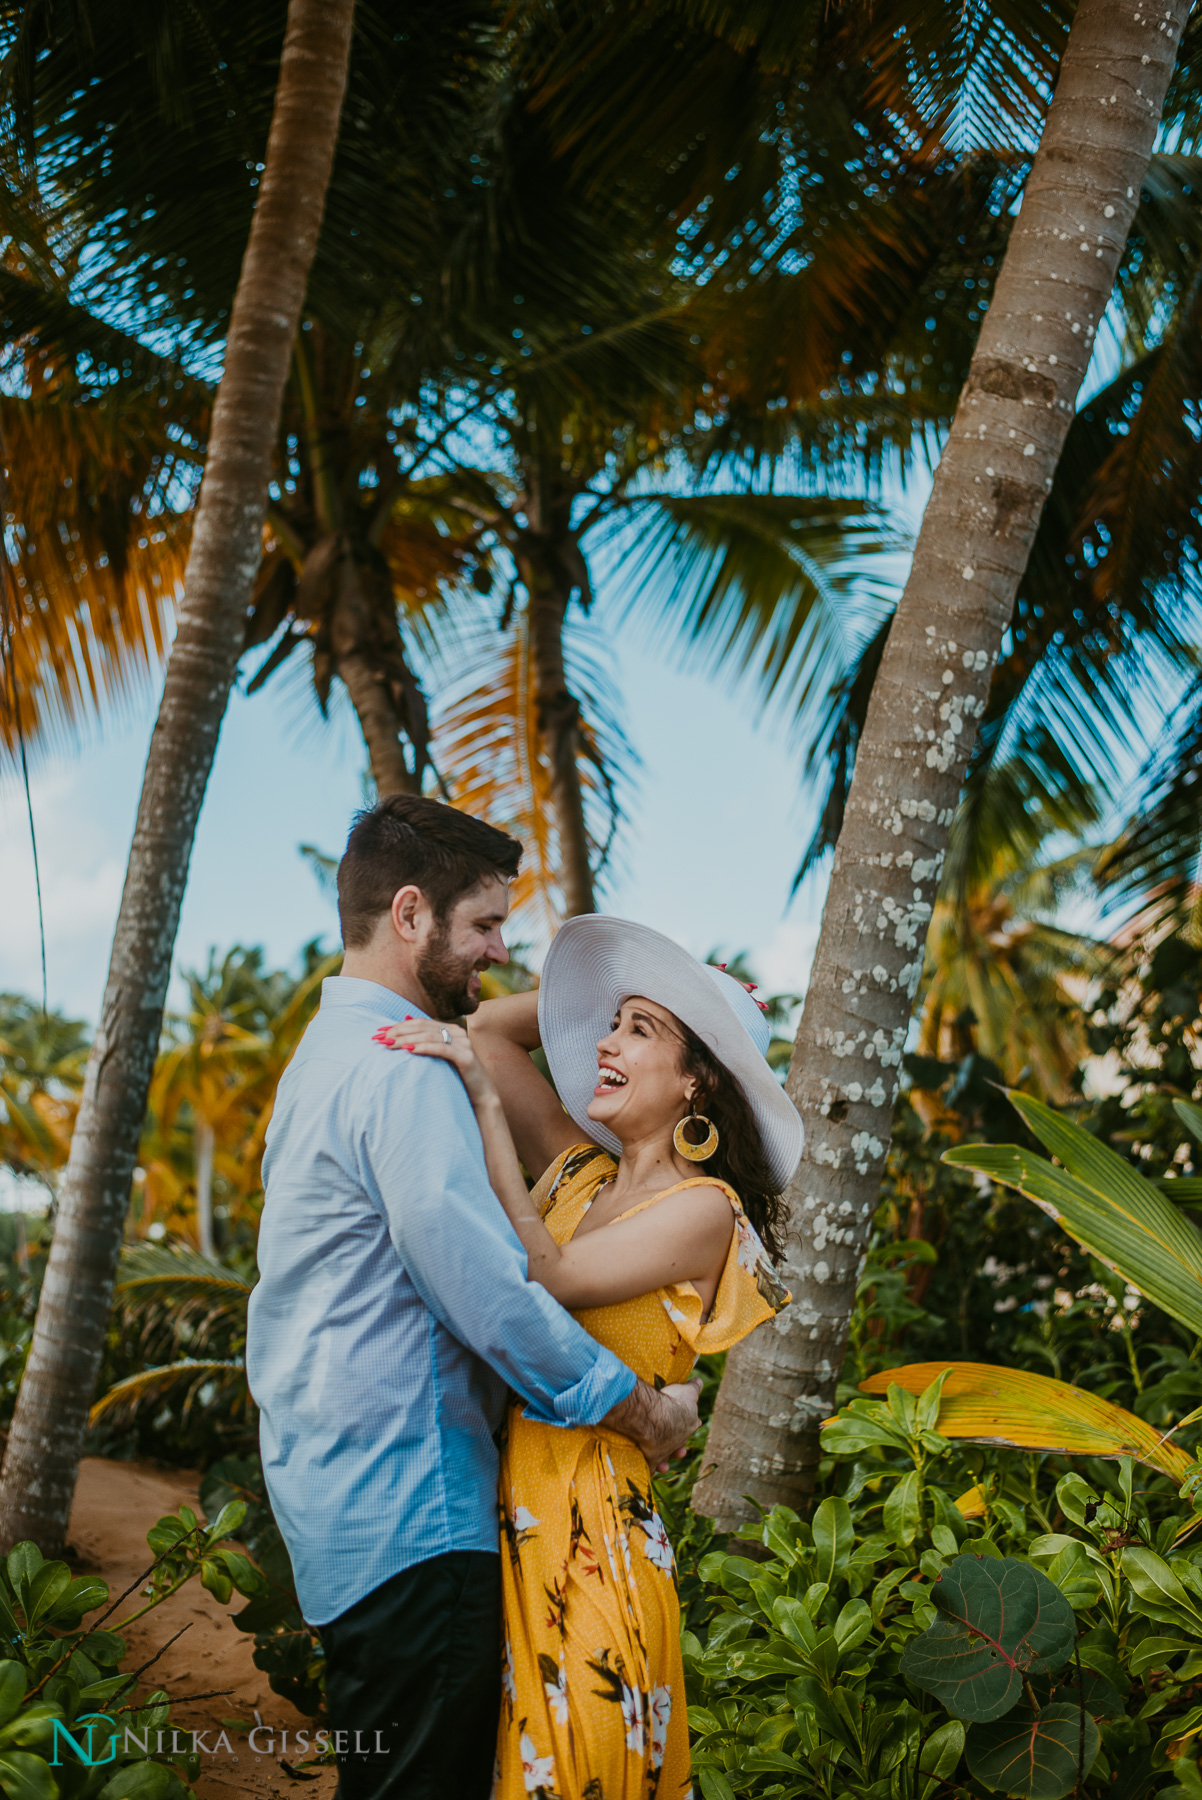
393, 1311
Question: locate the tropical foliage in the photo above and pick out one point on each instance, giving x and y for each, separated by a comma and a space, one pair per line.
66, 1704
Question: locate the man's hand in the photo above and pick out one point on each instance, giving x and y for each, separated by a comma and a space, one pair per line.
661, 1422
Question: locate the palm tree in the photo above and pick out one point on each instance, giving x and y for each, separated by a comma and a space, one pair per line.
213, 1091
51, 1414
932, 685
42, 1058
997, 959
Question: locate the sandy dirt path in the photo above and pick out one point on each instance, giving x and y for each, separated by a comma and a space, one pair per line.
116, 1503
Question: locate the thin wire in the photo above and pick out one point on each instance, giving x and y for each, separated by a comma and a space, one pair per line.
9, 637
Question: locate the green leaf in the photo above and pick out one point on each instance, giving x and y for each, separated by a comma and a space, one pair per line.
834, 1538
106, 1648
942, 1751
1190, 1116
852, 1430
31, 1729
1157, 1653
80, 1596
46, 1588
927, 1408
24, 1776
141, 1780
214, 1577
853, 1625
1036, 1756
13, 1683
1102, 1202
1001, 1619
902, 1514
1075, 1497
165, 1534
713, 1785
24, 1561
792, 1618
1161, 1595
226, 1523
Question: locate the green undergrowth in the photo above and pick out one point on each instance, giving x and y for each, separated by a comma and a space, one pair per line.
891, 1648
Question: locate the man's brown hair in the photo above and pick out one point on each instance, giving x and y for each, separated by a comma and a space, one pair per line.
405, 841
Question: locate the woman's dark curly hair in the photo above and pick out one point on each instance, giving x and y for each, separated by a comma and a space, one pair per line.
739, 1159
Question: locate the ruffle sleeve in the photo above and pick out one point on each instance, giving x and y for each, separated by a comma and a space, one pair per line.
750, 1292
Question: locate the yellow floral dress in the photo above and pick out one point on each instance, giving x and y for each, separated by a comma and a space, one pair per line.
593, 1704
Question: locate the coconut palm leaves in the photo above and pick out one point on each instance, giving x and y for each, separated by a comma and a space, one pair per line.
42, 1058
997, 956
1128, 1223
199, 1300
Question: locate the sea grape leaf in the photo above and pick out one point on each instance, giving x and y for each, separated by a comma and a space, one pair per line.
1036, 1756
1001, 1620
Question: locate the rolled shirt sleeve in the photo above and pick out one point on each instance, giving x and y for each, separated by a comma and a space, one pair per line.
425, 1169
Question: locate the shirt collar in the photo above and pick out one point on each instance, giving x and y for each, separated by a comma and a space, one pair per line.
352, 990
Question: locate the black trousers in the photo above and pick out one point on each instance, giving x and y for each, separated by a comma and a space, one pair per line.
413, 1682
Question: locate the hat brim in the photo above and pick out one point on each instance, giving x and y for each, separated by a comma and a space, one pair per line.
594, 964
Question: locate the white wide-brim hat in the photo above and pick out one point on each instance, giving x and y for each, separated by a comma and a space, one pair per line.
595, 963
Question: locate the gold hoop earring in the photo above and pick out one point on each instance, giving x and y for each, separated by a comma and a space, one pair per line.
696, 1152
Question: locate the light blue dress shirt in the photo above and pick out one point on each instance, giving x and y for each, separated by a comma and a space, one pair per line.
392, 1312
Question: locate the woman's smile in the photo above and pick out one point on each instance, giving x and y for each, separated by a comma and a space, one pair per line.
610, 1080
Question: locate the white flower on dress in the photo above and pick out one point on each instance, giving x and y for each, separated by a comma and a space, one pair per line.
750, 1247
657, 1544
508, 1685
524, 1519
632, 1718
661, 1712
557, 1696
674, 1312
537, 1771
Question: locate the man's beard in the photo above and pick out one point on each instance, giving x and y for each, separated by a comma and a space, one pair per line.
445, 978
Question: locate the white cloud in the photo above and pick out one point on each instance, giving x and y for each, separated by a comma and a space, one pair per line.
81, 874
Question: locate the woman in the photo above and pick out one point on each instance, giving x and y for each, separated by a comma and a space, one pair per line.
660, 1187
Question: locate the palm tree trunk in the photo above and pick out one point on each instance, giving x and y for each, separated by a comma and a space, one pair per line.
52, 1407
558, 713
369, 657
205, 1146
989, 491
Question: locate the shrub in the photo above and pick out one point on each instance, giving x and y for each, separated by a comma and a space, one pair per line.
1037, 1634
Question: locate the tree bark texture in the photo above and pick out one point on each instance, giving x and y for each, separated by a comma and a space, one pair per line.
559, 727
52, 1407
976, 536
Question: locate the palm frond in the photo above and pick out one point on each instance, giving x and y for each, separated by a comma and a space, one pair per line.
98, 541
771, 587
1157, 858
177, 1277
492, 757
226, 1373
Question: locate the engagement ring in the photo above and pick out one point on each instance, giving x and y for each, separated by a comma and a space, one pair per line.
446, 1036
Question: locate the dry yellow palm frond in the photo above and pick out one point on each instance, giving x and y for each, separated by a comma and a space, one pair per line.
99, 491
488, 749
981, 1404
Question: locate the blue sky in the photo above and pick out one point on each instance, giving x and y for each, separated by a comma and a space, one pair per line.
717, 819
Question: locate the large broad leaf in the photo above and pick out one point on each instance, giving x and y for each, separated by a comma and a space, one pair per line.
988, 1405
1125, 1221
1034, 1755
24, 1776
1001, 1620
